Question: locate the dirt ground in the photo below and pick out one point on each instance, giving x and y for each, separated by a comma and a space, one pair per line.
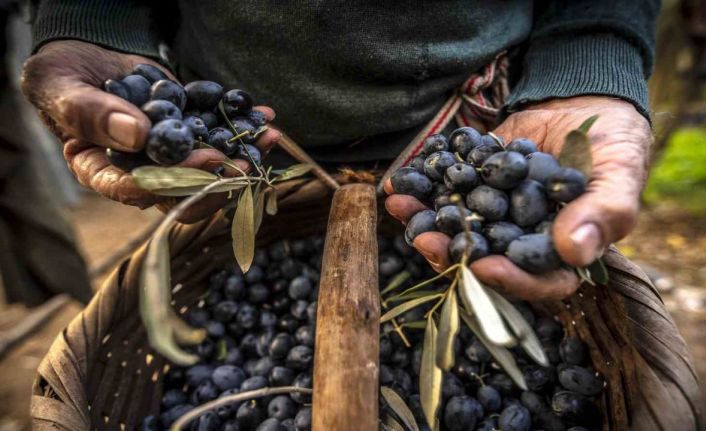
104, 228
668, 242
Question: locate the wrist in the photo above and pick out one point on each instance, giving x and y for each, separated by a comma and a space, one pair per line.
588, 103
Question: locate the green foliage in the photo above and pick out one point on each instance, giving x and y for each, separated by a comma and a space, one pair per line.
680, 174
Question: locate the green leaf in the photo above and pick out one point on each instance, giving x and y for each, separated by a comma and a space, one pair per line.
576, 152
160, 178
221, 349
501, 354
391, 424
412, 295
293, 171
398, 406
528, 339
243, 230
437, 277
231, 164
585, 275
586, 125
155, 308
188, 191
449, 325
475, 298
430, 376
271, 201
260, 130
406, 306
396, 282
599, 272
497, 139
417, 324
259, 206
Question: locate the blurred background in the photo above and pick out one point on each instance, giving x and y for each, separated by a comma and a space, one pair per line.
669, 241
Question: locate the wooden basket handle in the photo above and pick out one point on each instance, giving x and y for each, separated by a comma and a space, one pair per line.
348, 316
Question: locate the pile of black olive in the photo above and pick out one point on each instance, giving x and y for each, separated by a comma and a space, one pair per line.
261, 328
184, 116
507, 196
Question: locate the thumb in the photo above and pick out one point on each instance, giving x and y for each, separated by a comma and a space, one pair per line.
81, 110
608, 210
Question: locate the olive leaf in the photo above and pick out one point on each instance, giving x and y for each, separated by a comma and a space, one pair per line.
430, 376
163, 326
406, 306
259, 206
155, 308
291, 172
271, 201
177, 181
183, 332
231, 164
392, 424
576, 152
188, 191
586, 125
427, 282
585, 275
523, 330
449, 325
412, 295
502, 355
398, 406
475, 298
221, 349
260, 130
397, 281
158, 177
243, 230
417, 324
599, 272
497, 139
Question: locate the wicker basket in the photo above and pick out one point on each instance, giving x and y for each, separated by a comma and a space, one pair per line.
100, 373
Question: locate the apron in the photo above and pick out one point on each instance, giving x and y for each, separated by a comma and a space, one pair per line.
475, 104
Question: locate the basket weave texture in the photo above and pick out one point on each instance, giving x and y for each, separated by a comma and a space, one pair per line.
100, 372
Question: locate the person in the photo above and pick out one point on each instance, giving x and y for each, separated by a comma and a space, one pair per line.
352, 82
38, 254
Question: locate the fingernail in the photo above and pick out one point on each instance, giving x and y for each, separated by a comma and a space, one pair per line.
123, 129
587, 242
431, 257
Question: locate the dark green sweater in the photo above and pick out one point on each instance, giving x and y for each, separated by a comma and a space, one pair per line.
337, 71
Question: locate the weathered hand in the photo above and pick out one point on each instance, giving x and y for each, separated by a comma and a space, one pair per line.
621, 138
64, 80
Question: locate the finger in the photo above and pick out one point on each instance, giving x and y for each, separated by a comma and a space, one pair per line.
268, 140
497, 271
269, 112
403, 207
434, 246
209, 159
608, 210
93, 170
388, 187
92, 115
